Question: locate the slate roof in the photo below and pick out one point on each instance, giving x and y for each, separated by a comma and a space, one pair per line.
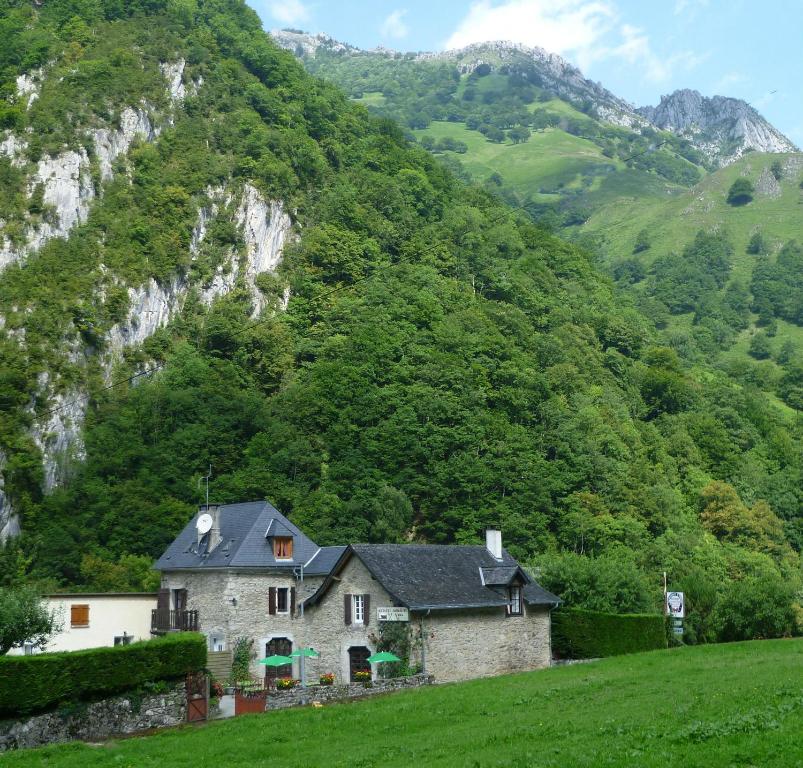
437, 577
323, 561
243, 543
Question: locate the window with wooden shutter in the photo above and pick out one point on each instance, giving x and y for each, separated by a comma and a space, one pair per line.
79, 615
347, 609
292, 601
272, 601
366, 600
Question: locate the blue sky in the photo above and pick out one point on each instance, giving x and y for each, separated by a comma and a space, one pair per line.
639, 49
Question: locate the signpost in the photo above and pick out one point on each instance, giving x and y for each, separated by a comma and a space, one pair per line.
675, 605
676, 609
392, 613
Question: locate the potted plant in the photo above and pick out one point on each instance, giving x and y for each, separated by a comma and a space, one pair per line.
328, 678
363, 677
285, 683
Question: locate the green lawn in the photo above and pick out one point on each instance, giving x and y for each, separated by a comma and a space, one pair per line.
726, 705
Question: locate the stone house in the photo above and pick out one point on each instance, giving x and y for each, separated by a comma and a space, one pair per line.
244, 570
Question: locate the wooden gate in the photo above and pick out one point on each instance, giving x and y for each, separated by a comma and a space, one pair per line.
197, 697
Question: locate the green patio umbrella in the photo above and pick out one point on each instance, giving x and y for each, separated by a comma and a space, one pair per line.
301, 654
276, 661
378, 658
308, 652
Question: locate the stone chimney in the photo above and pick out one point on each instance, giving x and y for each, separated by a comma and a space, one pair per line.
493, 541
214, 537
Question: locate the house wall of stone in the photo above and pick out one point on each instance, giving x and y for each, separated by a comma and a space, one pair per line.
465, 644
235, 604
328, 629
459, 644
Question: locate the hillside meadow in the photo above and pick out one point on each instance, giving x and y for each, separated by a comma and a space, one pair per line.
738, 704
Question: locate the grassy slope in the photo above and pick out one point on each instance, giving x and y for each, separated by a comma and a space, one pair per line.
673, 223
721, 705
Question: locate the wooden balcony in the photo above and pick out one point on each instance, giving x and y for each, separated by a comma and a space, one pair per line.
163, 621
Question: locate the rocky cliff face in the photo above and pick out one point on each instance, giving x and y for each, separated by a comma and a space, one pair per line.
69, 186
722, 128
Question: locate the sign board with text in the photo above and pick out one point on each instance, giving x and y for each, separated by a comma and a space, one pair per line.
393, 614
675, 605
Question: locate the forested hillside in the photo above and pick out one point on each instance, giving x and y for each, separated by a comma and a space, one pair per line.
410, 360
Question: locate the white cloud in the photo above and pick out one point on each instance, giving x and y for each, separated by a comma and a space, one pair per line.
289, 11
561, 26
584, 31
635, 49
728, 82
689, 7
394, 26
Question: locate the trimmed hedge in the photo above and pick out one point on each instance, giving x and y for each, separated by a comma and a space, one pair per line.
40, 682
581, 634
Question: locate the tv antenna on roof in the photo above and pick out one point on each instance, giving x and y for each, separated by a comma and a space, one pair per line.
206, 477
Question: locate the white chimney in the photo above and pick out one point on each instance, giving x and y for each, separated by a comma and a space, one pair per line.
493, 541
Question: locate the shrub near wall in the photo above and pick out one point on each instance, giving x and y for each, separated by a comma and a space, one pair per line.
37, 683
581, 634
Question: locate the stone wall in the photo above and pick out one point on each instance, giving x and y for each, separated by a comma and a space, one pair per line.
326, 694
98, 720
328, 630
461, 645
233, 604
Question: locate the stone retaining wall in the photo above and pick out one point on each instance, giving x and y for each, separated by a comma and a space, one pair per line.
325, 694
97, 720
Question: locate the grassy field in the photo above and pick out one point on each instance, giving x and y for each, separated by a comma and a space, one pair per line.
727, 705
673, 222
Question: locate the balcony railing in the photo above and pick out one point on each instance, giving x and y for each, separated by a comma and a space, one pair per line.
163, 621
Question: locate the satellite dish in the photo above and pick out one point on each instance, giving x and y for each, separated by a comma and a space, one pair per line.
204, 523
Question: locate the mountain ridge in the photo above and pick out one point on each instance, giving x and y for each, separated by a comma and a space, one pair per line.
721, 127
716, 123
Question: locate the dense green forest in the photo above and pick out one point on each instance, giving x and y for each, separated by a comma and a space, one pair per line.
443, 363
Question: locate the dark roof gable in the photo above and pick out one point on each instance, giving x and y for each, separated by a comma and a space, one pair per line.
438, 577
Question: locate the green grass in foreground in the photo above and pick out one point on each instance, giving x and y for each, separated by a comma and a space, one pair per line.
725, 705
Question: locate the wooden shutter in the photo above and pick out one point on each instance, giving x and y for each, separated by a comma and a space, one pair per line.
347, 609
163, 600
292, 601
79, 615
366, 608
272, 601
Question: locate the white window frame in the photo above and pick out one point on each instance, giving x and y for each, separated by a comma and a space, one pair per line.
358, 609
515, 608
217, 643
286, 591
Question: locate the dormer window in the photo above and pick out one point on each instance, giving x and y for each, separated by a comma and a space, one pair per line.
283, 547
514, 607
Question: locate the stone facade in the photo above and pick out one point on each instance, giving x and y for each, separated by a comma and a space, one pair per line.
234, 604
458, 644
464, 644
97, 720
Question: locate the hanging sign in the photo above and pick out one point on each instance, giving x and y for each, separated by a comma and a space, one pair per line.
675, 605
393, 614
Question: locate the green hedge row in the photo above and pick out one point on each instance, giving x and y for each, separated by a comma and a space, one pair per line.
37, 683
581, 634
